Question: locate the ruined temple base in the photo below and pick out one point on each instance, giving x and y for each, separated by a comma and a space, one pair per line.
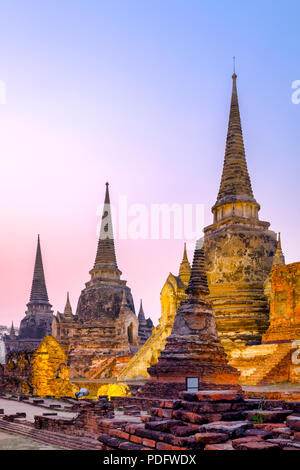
171, 389
93, 366
266, 364
287, 392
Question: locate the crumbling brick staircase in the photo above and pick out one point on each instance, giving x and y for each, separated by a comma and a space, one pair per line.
143, 350
271, 368
96, 372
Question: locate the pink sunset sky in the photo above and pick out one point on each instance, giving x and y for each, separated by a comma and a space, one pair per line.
136, 94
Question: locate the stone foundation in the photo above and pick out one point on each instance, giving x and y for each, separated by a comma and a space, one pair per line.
208, 420
90, 415
276, 359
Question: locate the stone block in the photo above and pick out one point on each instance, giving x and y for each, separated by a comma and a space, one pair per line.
267, 427
278, 433
164, 446
213, 395
232, 416
149, 443
233, 429
285, 443
135, 439
164, 425
210, 438
129, 446
224, 446
189, 417
293, 422
205, 407
183, 431
242, 440
274, 416
257, 445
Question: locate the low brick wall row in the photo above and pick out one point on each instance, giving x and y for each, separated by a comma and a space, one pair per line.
143, 404
209, 420
86, 423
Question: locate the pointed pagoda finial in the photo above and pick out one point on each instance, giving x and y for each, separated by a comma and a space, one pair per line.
185, 267
38, 290
278, 259
279, 241
141, 315
235, 182
124, 302
234, 65
198, 280
68, 307
106, 256
184, 252
12, 333
106, 200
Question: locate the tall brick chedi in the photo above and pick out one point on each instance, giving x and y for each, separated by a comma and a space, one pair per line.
103, 334
37, 322
193, 348
239, 248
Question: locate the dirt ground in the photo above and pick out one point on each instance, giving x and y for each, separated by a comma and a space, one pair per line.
9, 441
12, 407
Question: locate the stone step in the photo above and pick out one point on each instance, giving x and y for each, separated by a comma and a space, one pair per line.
265, 368
213, 396
274, 416
234, 429
256, 445
293, 422
163, 425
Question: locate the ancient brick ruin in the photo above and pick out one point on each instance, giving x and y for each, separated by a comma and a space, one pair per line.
239, 248
171, 296
193, 349
37, 322
231, 320
103, 335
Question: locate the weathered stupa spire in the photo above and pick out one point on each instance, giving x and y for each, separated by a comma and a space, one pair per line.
239, 248
106, 262
193, 349
198, 281
124, 300
68, 309
235, 195
141, 315
12, 333
37, 322
185, 267
38, 293
278, 259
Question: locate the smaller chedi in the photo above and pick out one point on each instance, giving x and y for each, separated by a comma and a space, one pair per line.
278, 260
145, 325
193, 349
103, 335
37, 322
172, 293
64, 323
